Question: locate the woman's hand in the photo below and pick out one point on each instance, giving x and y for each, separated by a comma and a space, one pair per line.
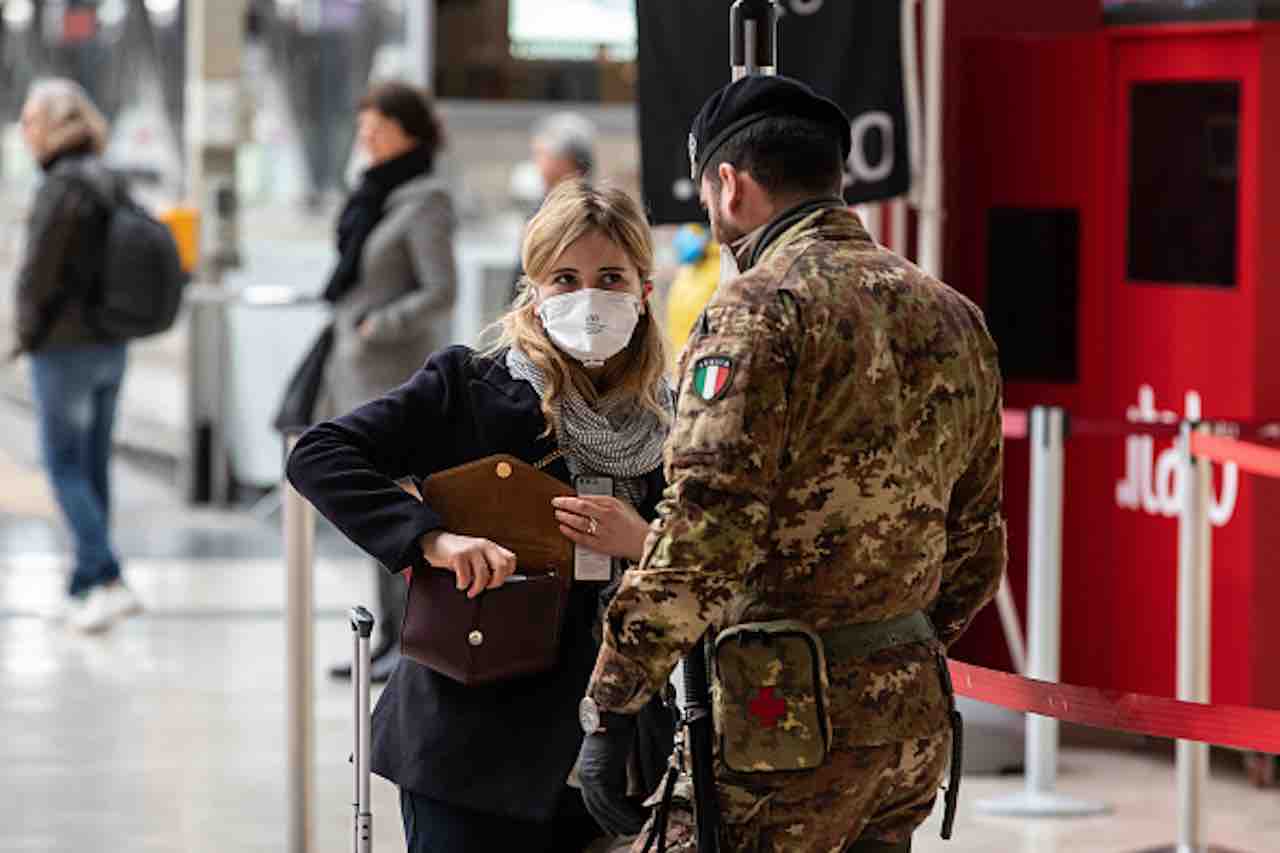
603, 524
478, 564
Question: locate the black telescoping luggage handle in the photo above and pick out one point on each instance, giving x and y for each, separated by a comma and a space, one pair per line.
361, 621
362, 811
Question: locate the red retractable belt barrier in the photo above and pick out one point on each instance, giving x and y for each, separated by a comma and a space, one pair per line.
1223, 725
1015, 423
1249, 457
1100, 427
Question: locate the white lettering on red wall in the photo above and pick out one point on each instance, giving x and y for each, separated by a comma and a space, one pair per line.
1153, 483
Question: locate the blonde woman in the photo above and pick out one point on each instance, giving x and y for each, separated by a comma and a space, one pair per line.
486, 768
75, 373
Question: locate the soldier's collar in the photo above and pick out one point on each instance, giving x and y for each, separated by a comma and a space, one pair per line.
751, 248
744, 248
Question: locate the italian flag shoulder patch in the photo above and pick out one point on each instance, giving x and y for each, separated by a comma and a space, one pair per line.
712, 377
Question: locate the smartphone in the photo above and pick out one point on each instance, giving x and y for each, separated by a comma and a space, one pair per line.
589, 565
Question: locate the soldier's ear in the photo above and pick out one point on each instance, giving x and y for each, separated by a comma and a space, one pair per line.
729, 184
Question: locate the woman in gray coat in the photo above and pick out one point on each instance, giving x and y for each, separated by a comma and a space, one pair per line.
393, 288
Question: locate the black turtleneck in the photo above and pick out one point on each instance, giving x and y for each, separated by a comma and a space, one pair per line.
783, 221
365, 209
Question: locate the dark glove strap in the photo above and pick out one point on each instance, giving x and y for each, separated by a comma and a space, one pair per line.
658, 832
951, 800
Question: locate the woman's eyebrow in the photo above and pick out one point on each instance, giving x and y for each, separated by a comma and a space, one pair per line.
573, 270
613, 269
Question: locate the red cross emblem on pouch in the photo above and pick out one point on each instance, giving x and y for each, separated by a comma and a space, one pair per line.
767, 707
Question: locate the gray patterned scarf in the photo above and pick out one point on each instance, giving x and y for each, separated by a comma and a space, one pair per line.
617, 438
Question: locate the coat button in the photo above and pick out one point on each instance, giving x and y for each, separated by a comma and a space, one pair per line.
475, 638
504, 470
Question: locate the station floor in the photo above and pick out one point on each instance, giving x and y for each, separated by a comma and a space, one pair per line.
167, 733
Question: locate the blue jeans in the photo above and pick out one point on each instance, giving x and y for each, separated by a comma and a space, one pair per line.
76, 389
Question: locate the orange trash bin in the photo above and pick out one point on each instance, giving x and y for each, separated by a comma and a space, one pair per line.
184, 223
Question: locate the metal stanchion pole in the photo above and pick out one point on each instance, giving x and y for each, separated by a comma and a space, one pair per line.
872, 215
931, 211
299, 544
1194, 572
1008, 611
1044, 618
1193, 640
898, 226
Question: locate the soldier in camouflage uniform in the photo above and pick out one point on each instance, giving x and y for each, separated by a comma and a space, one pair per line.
837, 460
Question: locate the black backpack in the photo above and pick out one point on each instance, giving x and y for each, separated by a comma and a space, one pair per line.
138, 289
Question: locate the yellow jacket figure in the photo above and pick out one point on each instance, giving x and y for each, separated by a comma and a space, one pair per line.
694, 285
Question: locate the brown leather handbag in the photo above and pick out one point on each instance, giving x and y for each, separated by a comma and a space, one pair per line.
506, 632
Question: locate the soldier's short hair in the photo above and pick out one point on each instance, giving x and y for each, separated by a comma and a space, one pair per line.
785, 155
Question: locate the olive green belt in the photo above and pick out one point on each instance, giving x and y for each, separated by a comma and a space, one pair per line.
866, 638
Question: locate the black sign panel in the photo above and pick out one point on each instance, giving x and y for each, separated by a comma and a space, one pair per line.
849, 51
1155, 11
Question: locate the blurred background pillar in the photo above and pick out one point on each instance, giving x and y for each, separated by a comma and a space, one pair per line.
420, 39
215, 40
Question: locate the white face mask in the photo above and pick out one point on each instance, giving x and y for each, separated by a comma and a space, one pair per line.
591, 325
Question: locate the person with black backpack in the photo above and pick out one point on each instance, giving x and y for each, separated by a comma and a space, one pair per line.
77, 367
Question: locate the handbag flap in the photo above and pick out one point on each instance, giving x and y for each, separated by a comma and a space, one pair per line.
507, 501
503, 633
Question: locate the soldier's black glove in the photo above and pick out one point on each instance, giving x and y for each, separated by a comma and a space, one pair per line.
602, 770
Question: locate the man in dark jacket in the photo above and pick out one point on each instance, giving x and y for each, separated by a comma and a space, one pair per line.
75, 374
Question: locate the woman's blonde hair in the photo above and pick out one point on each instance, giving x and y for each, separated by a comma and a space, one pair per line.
68, 116
576, 208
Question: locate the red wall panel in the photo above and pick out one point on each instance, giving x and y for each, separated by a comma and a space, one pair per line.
1034, 137
1044, 122
1175, 339
1265, 600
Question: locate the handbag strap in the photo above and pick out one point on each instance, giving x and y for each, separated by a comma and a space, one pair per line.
547, 460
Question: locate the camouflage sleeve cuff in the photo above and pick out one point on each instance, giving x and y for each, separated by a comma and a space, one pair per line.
618, 684
972, 585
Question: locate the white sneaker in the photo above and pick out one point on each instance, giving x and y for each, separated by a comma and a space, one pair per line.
93, 613
124, 602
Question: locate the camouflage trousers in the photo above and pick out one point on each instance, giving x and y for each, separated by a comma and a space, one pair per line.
875, 793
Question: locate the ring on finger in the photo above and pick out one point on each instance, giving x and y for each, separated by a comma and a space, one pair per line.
593, 526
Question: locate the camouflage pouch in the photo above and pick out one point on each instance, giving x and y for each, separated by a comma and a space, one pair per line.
769, 697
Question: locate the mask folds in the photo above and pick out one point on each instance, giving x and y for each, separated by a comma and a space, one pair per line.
590, 325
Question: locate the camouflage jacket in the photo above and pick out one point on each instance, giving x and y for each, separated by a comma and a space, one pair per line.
836, 458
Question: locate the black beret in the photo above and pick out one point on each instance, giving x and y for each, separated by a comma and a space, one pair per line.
755, 98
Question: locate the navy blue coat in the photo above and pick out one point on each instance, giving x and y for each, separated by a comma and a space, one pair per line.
505, 748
